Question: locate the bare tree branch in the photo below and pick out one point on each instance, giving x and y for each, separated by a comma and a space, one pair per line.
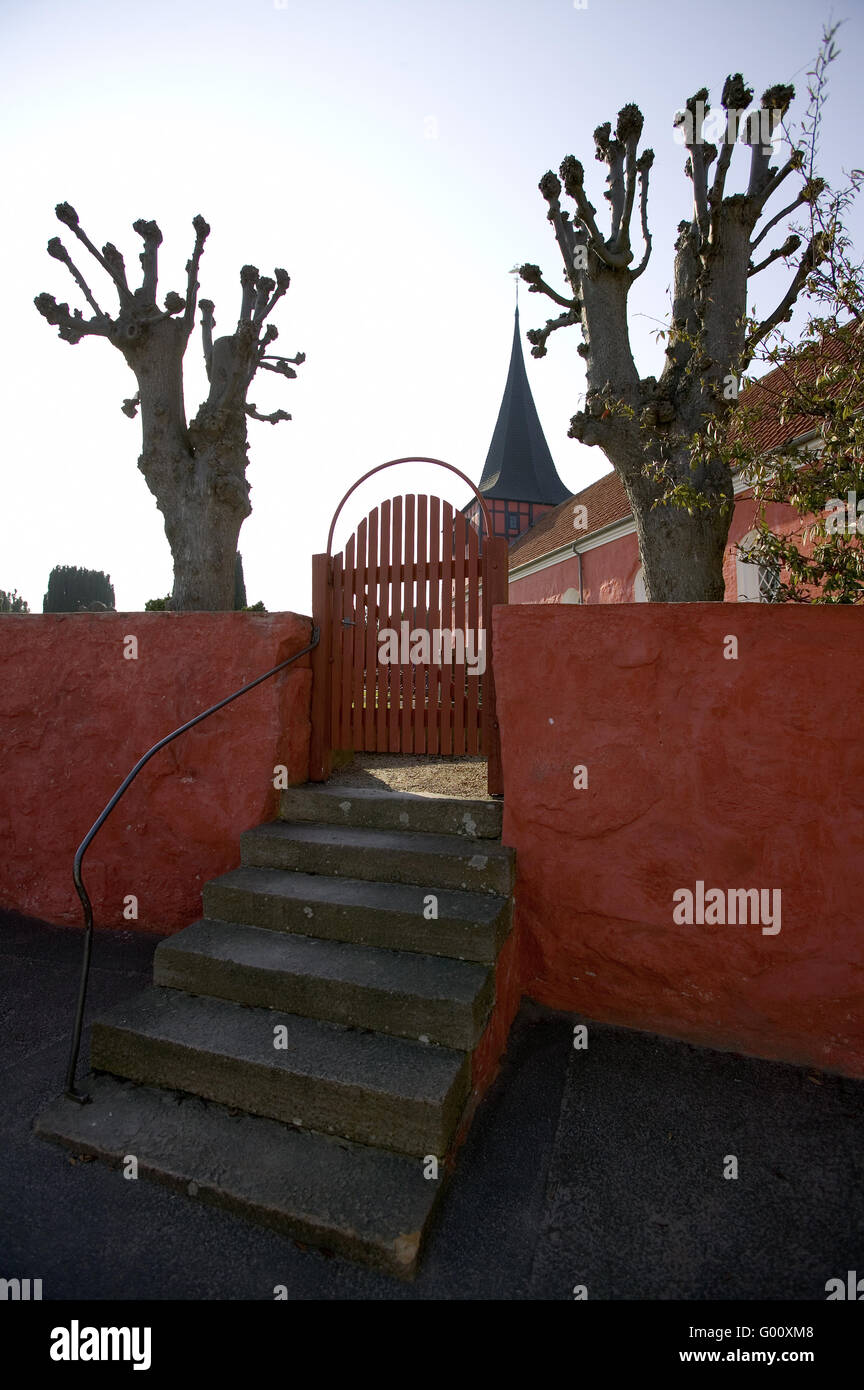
207, 322
283, 280
736, 97
611, 152
272, 419
646, 159
59, 253
282, 365
202, 231
790, 244
116, 267
109, 258
538, 336
533, 277
71, 326
573, 176
550, 187
262, 298
696, 108
628, 131
152, 238
758, 130
724, 159
249, 280
784, 212
271, 332
794, 161
816, 251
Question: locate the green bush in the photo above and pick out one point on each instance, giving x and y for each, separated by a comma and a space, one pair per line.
73, 590
13, 602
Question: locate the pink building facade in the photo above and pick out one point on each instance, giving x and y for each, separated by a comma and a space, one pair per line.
592, 555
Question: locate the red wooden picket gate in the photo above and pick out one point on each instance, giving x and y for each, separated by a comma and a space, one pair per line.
405, 662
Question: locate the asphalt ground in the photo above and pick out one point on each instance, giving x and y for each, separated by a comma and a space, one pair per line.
598, 1170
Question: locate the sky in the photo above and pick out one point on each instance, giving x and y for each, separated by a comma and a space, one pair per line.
387, 154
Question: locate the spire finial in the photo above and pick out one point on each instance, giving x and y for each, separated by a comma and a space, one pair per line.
515, 273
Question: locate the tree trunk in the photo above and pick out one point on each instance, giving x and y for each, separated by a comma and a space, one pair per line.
202, 532
681, 549
682, 555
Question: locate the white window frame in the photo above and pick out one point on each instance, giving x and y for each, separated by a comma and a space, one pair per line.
752, 581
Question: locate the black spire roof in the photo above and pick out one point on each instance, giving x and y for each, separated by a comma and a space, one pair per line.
519, 466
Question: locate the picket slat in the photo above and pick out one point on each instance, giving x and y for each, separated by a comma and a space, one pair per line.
371, 682
447, 625
472, 742
336, 655
394, 713
383, 621
406, 742
421, 621
459, 543
346, 641
359, 682
433, 717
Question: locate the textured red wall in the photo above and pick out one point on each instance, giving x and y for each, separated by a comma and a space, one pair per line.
740, 773
75, 716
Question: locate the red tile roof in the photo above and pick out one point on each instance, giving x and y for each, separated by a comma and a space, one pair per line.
769, 433
604, 501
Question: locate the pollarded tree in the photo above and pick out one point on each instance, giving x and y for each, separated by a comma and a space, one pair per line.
196, 470
646, 427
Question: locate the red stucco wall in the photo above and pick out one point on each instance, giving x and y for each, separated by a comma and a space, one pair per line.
75, 716
739, 773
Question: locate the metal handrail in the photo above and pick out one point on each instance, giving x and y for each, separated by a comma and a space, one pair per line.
70, 1090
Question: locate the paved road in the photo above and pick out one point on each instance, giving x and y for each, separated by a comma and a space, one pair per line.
601, 1167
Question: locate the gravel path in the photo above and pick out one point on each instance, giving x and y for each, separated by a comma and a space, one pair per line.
404, 772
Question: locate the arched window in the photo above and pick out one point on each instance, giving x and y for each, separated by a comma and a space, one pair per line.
639, 594
755, 583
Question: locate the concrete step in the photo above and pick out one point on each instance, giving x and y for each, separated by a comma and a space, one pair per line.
405, 994
389, 1092
364, 1203
330, 804
469, 926
433, 861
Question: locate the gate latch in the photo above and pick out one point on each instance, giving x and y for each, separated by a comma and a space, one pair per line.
348, 622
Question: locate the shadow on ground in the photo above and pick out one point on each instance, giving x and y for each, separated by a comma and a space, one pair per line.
600, 1167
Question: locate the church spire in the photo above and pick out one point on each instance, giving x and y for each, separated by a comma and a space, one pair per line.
519, 467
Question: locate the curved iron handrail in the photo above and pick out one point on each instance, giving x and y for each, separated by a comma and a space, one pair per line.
70, 1090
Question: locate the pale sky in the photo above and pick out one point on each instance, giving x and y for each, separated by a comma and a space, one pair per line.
387, 154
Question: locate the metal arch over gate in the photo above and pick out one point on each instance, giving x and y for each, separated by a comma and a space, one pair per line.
405, 660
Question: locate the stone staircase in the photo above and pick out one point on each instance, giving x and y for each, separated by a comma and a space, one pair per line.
306, 1046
